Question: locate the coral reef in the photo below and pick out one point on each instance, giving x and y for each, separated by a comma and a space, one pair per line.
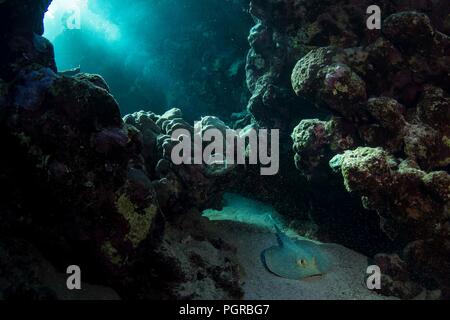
284, 32
81, 184
179, 186
367, 113
387, 137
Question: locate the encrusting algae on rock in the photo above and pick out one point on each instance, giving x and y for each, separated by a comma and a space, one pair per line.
139, 222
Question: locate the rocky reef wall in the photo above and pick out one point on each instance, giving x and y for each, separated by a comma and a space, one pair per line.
382, 128
79, 183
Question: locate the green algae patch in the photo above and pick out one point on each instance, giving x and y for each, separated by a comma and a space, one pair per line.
446, 141
111, 253
139, 221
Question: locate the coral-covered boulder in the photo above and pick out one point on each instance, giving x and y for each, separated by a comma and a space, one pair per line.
409, 29
316, 141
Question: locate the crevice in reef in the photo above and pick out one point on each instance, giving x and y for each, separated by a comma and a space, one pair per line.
364, 158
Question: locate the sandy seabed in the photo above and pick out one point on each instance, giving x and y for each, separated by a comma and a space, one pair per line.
245, 224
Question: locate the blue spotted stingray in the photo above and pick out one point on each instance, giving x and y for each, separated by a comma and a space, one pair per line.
295, 259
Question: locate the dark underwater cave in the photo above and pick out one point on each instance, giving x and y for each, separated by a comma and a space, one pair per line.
94, 95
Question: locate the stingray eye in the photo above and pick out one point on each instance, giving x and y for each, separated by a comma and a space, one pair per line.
302, 263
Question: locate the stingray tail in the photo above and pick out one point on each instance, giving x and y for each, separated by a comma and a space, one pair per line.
263, 260
281, 238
